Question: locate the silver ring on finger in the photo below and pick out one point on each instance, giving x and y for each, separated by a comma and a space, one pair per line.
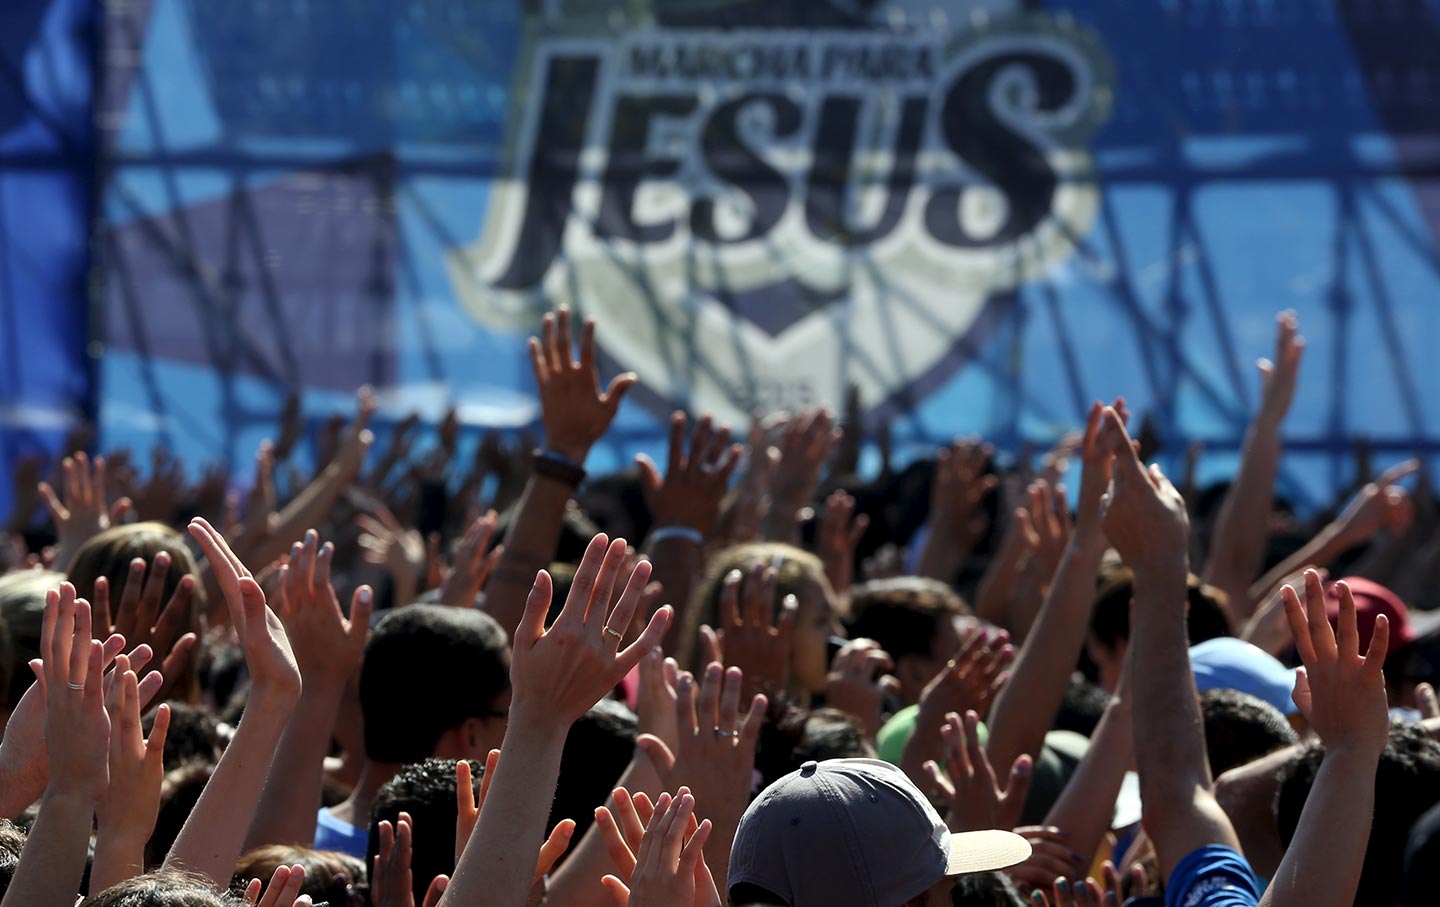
79, 687
615, 633
724, 733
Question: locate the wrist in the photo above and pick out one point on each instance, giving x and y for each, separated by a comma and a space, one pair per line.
1164, 572
272, 701
574, 451
1362, 755
536, 726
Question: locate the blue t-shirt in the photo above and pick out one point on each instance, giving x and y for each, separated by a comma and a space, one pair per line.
1213, 876
332, 834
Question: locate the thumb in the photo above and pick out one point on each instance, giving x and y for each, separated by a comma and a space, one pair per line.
252, 599
360, 607
655, 750
618, 892
436, 889
119, 510
1021, 774
649, 473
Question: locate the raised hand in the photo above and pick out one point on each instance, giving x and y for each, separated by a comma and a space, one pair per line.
573, 408
961, 486
655, 701
1143, 515
159, 497
669, 867
838, 535
469, 807
1046, 526
805, 447
558, 674
1381, 505
972, 679
695, 481
1096, 457
1340, 692
142, 620
283, 890
83, 510
1050, 859
24, 761
401, 551
716, 753
1278, 377
327, 646
976, 799
749, 636
273, 669
70, 673
474, 561
391, 881
126, 814
858, 685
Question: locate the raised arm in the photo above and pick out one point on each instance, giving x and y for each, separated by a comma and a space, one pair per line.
79, 733
1144, 518
1086, 806
311, 507
1381, 505
1342, 695
126, 815
1026, 707
1237, 549
575, 412
212, 838
685, 505
556, 675
957, 516
328, 649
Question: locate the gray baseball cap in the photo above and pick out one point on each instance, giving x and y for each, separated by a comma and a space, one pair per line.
856, 833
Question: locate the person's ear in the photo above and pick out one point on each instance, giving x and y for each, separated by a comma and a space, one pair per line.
473, 739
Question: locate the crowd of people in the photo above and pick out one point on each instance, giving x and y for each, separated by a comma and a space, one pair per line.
749, 676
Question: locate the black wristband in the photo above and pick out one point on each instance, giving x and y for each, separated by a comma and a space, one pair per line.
552, 467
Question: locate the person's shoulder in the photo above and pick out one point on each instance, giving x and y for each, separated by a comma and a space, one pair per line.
1213, 876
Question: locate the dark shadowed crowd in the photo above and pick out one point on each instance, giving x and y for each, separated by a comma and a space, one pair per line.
385, 672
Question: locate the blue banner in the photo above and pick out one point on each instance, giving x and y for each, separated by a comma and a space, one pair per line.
47, 173
982, 214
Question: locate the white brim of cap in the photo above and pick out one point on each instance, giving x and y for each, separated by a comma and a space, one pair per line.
983, 851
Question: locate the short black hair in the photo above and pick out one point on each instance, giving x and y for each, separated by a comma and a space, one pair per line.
597, 749
985, 889
902, 614
428, 668
743, 894
792, 736
1205, 619
194, 735
1407, 784
1240, 728
12, 842
425, 790
1081, 708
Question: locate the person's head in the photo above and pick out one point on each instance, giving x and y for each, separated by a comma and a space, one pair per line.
1227, 663
425, 790
163, 888
1407, 784
597, 749
435, 681
985, 889
330, 877
1109, 637
12, 841
1240, 728
798, 573
110, 553
794, 736
194, 735
22, 607
855, 831
913, 620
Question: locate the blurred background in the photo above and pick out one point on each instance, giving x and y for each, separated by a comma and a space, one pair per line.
982, 215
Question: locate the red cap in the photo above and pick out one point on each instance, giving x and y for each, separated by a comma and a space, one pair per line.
1372, 600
